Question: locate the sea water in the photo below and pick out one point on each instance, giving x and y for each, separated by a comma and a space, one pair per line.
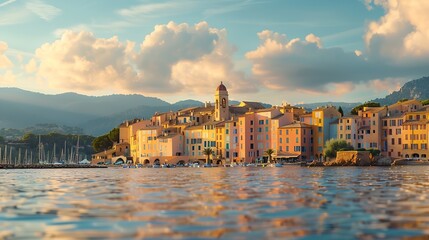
201, 203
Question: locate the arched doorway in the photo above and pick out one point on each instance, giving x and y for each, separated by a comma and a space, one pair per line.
156, 162
181, 163
146, 162
219, 162
119, 161
407, 156
423, 155
416, 155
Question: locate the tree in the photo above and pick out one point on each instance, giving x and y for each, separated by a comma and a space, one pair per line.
114, 135
269, 152
208, 152
356, 109
1, 139
425, 102
102, 143
340, 110
334, 145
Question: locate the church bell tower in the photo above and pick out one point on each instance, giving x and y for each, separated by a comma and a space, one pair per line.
221, 103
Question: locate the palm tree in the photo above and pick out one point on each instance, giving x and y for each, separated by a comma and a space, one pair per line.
269, 152
208, 152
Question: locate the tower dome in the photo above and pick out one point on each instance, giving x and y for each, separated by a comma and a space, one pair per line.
221, 87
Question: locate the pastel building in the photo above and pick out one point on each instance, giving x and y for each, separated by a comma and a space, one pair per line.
348, 128
231, 141
415, 132
296, 141
255, 132
147, 143
392, 135
326, 120
194, 143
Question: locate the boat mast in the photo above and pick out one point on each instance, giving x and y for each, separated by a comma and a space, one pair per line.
77, 150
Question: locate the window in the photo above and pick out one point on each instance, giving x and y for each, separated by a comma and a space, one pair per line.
297, 148
296, 131
251, 122
399, 141
280, 140
251, 146
251, 137
393, 141
287, 140
280, 132
296, 140
261, 122
393, 123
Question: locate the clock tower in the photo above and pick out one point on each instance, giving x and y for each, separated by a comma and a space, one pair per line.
221, 103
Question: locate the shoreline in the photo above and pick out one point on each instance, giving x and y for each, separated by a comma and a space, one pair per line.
47, 166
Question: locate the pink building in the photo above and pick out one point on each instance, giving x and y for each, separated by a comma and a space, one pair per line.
295, 141
257, 132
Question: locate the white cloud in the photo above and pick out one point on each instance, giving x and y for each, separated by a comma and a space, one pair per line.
14, 17
43, 10
402, 35
7, 78
396, 48
173, 58
4, 60
7, 3
188, 58
144, 9
303, 64
81, 62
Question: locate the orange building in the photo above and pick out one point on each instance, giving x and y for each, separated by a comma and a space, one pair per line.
295, 141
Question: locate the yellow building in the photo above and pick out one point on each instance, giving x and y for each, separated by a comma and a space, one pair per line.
326, 121
194, 143
146, 143
415, 134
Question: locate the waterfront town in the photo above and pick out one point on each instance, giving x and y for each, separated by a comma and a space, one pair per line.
243, 133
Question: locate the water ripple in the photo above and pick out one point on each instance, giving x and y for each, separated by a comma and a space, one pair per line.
233, 203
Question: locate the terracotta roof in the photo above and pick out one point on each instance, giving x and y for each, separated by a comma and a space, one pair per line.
413, 122
297, 125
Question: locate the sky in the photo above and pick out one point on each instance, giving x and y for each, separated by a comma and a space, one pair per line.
272, 51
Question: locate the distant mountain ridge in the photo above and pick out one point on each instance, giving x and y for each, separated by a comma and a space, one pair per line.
415, 89
21, 109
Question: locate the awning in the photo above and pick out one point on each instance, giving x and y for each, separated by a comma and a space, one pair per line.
286, 155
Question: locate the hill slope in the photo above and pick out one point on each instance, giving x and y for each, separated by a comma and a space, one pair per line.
418, 89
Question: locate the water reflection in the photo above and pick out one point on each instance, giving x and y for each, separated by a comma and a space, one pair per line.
241, 203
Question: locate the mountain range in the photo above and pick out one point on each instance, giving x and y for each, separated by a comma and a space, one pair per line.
97, 115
